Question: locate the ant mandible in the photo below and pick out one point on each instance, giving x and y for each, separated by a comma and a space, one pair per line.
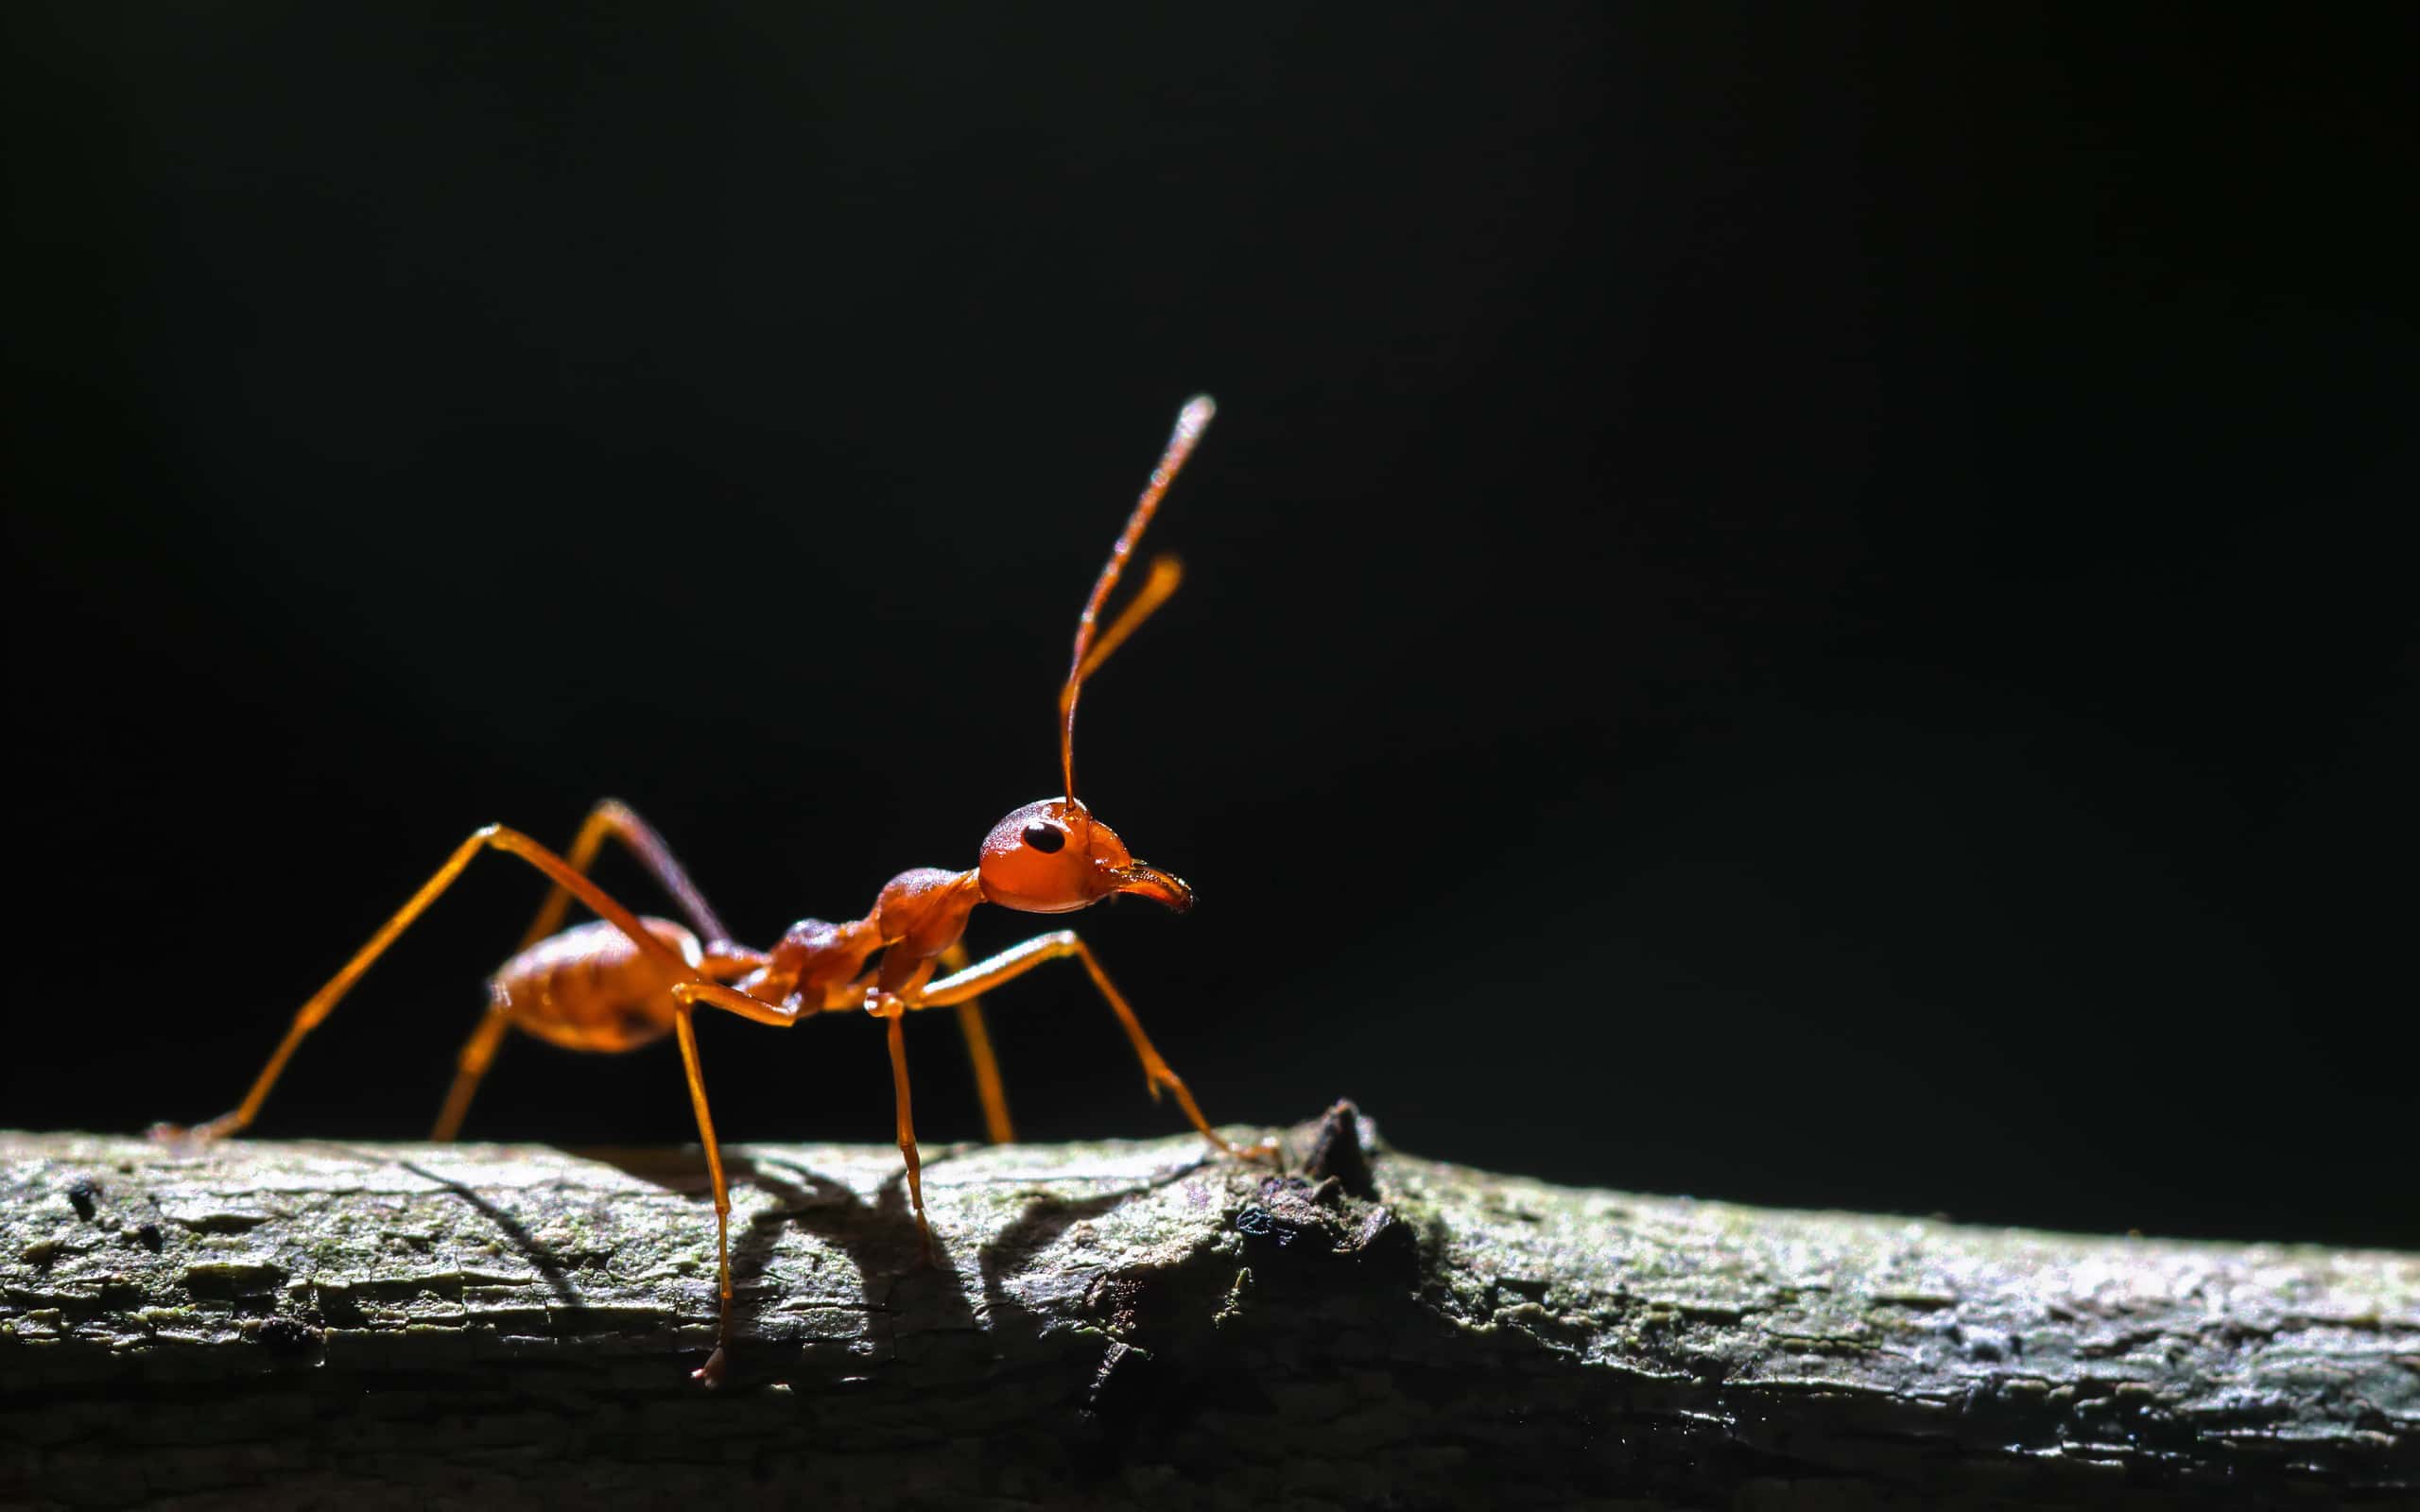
625, 981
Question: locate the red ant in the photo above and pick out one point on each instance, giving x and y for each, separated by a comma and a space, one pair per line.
624, 981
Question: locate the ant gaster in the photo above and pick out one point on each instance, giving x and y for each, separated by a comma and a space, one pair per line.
624, 981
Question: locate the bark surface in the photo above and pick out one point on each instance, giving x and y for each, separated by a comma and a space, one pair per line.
291, 1324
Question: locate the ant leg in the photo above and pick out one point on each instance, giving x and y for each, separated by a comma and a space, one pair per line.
997, 1126
618, 819
1018, 959
685, 998
324, 1001
732, 1000
611, 817
477, 1052
895, 1010
711, 1372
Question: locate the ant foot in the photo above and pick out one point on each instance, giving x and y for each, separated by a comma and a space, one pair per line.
709, 1375
183, 1137
1265, 1150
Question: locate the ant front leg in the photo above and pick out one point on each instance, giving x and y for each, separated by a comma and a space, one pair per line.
1018, 959
323, 1002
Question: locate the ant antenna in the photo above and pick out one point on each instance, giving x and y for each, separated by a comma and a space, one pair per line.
1166, 572
1163, 581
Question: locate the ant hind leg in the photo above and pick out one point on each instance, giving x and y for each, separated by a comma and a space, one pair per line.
612, 817
478, 1053
323, 1002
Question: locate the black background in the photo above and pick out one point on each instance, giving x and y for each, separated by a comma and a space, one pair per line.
1798, 605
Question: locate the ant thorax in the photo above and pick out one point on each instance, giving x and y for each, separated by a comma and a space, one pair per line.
820, 966
923, 912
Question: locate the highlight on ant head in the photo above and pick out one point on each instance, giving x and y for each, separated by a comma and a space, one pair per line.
1164, 575
1053, 857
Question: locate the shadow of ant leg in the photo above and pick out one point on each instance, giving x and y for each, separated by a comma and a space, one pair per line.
539, 1257
874, 1234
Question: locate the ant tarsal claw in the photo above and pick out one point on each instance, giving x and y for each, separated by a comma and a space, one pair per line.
709, 1375
183, 1137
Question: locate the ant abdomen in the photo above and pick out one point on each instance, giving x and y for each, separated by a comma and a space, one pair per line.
591, 987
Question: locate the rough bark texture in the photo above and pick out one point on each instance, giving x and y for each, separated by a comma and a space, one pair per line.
1127, 1324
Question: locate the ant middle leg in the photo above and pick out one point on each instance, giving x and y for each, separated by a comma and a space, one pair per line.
494, 836
892, 1011
997, 1126
711, 1372
1018, 959
685, 998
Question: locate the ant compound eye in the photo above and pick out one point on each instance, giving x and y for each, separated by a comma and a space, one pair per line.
1047, 838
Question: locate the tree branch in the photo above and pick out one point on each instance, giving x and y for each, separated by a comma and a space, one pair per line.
1128, 1324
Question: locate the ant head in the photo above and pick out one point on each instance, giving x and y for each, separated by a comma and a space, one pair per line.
1053, 857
